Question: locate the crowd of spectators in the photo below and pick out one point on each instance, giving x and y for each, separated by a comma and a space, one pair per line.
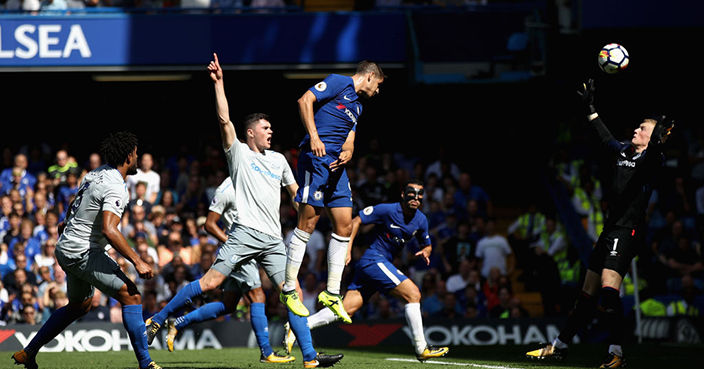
472, 268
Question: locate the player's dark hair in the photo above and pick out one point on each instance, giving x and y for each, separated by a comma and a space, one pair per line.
252, 119
366, 66
117, 147
416, 182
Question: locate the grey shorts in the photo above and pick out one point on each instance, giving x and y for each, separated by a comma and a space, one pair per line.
94, 269
245, 244
244, 280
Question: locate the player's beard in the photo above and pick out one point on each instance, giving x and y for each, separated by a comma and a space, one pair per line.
132, 170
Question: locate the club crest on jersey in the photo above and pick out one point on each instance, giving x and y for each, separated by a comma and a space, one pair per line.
318, 195
368, 210
321, 86
118, 203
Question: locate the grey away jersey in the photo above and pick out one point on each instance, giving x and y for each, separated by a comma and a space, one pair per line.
102, 189
258, 178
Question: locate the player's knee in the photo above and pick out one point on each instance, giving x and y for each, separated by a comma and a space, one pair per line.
257, 295
205, 285
210, 281
413, 297
79, 309
131, 299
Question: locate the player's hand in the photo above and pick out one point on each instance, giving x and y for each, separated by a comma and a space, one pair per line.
317, 147
662, 130
587, 95
425, 253
61, 227
143, 269
344, 158
214, 69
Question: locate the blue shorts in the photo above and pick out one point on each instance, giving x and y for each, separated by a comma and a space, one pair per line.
375, 275
318, 185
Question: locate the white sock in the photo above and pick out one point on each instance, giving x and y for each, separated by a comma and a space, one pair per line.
559, 344
616, 350
337, 252
294, 258
415, 322
321, 318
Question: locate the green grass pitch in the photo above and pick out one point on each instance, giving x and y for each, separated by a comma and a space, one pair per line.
647, 355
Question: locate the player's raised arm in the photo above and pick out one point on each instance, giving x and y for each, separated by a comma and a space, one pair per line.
227, 129
307, 113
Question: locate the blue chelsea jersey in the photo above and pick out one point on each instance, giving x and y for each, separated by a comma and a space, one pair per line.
338, 111
392, 231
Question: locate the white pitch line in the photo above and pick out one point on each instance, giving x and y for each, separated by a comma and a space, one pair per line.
454, 363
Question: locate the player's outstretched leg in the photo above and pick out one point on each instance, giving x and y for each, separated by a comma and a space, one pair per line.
206, 312
183, 297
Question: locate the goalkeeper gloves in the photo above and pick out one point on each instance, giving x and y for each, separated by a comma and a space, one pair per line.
662, 130
587, 95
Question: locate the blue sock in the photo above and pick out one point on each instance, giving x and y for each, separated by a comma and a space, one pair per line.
58, 321
260, 325
137, 331
182, 298
299, 325
208, 311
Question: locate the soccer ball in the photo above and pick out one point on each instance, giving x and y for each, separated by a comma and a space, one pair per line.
613, 58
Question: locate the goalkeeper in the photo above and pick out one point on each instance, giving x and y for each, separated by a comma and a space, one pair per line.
637, 163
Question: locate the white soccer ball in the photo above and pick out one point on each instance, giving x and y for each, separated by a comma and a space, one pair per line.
613, 58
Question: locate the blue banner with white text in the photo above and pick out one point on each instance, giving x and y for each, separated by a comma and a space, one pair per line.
124, 40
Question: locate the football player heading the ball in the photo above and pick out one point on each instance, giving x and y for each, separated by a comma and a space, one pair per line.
323, 183
637, 164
